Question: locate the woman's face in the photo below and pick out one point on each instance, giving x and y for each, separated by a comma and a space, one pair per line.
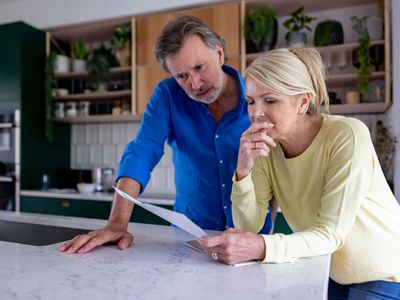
280, 110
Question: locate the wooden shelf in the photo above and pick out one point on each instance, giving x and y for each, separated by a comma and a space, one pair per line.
350, 79
114, 95
333, 48
360, 108
113, 71
100, 119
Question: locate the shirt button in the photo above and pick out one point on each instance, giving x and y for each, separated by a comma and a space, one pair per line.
221, 161
225, 207
216, 136
223, 185
226, 226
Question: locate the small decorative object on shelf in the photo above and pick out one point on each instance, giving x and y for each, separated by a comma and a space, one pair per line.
80, 53
328, 33
385, 146
99, 63
361, 58
297, 22
121, 40
261, 29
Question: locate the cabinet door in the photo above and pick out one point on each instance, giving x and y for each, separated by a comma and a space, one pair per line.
10, 66
149, 73
84, 209
66, 207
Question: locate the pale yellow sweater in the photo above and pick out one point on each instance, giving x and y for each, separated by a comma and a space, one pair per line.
336, 200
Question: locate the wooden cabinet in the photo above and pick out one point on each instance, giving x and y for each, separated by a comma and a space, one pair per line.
223, 19
342, 77
84, 208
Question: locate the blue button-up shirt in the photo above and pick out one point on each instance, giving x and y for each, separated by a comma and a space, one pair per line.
204, 152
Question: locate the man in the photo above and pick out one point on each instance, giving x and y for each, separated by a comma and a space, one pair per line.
201, 112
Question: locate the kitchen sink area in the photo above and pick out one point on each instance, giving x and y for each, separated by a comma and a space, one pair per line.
36, 234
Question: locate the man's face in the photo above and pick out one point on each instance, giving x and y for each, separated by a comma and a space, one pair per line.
197, 69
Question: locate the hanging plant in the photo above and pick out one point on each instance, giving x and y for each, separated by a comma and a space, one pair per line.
362, 55
49, 86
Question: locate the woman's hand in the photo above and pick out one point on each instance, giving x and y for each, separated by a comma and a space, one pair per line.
234, 246
254, 142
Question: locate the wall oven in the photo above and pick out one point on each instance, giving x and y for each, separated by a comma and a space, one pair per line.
10, 160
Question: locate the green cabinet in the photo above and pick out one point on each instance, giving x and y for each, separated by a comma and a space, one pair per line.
84, 208
22, 65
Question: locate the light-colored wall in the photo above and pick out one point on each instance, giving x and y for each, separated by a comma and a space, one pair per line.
55, 13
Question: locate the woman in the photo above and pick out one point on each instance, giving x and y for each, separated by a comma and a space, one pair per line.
325, 175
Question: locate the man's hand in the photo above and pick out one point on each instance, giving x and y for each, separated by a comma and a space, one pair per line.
86, 242
234, 246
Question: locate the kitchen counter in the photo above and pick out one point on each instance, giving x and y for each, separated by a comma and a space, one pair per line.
157, 199
158, 266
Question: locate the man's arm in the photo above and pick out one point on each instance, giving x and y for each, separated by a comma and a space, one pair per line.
116, 230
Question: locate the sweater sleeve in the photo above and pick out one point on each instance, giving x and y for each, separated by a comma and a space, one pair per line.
144, 152
250, 200
348, 176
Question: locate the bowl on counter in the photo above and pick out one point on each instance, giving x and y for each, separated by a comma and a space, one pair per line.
85, 188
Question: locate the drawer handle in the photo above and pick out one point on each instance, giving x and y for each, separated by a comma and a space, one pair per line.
64, 204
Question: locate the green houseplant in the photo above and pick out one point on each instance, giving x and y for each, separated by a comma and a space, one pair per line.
121, 40
99, 62
361, 58
80, 54
297, 22
261, 28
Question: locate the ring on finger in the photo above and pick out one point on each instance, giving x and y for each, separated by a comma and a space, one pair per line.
214, 256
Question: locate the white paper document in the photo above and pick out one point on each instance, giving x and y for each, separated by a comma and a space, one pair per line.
173, 217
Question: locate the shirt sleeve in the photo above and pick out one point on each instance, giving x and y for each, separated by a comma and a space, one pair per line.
145, 151
246, 215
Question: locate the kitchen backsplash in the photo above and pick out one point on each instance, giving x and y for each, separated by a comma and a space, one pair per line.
102, 145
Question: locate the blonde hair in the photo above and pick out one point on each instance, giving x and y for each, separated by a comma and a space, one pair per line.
292, 71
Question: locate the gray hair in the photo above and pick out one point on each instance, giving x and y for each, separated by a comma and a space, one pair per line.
174, 34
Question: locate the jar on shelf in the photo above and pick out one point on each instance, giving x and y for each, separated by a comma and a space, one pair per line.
126, 108
70, 109
116, 108
59, 110
83, 108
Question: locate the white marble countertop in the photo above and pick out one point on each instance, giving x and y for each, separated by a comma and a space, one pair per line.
158, 266
158, 199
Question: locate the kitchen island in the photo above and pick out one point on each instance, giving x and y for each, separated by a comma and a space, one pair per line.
158, 266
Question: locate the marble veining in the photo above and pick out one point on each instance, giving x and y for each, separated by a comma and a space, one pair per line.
158, 266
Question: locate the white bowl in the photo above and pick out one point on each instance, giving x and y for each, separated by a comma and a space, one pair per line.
85, 188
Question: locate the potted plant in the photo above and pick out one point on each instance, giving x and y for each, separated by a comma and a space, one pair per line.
79, 54
328, 32
99, 63
261, 28
297, 22
361, 58
121, 40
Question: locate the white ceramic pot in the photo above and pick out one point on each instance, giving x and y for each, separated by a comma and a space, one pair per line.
62, 64
375, 28
78, 65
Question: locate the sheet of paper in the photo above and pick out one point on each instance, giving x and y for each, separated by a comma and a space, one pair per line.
194, 244
178, 219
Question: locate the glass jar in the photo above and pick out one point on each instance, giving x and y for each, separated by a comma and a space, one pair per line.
83, 108
116, 108
70, 109
59, 110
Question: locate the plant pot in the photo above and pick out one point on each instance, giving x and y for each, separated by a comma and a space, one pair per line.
296, 39
328, 33
78, 65
375, 28
123, 55
62, 64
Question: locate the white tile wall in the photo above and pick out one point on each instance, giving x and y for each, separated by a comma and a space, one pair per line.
102, 145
